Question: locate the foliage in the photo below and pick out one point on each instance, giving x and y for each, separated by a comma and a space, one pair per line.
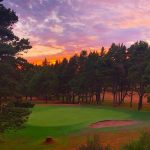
13, 118
142, 144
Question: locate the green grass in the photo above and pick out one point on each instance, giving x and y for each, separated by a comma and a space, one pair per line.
62, 121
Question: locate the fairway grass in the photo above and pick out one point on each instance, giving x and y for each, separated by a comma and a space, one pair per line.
61, 122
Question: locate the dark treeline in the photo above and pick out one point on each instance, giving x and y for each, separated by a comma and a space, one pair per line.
85, 78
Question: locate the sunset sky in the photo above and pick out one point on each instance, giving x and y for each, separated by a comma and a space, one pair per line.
60, 28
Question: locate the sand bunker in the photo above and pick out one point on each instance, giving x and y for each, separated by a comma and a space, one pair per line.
112, 123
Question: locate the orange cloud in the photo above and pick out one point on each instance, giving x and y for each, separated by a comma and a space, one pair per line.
42, 50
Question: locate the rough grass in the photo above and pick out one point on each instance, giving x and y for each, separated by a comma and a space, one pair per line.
143, 143
60, 122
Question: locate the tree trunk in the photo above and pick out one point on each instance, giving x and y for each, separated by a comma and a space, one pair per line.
103, 96
92, 99
131, 99
73, 98
46, 99
86, 98
63, 98
140, 104
78, 98
114, 98
98, 98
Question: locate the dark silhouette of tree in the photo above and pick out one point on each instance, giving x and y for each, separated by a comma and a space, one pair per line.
11, 68
117, 56
139, 56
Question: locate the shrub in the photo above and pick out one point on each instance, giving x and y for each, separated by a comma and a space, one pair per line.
142, 144
93, 145
13, 118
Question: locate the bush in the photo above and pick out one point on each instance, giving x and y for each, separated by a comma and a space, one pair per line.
12, 118
142, 144
23, 104
13, 114
93, 145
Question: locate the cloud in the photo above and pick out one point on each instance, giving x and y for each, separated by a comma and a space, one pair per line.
52, 17
67, 26
42, 50
57, 29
